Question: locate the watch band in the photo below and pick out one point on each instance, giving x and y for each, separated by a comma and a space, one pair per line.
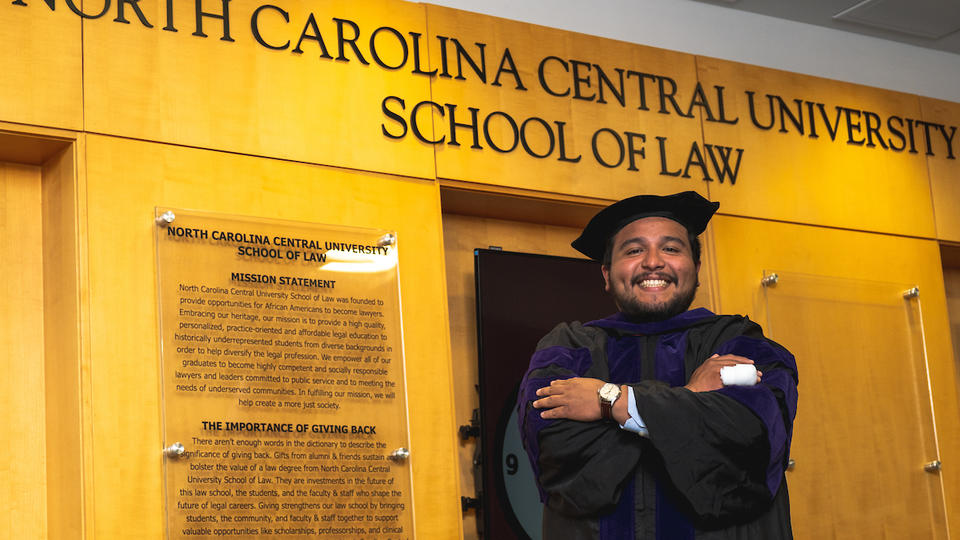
606, 409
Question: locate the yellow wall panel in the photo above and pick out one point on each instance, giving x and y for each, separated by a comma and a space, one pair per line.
851, 255
24, 493
242, 96
951, 277
463, 234
945, 167
66, 455
794, 177
570, 66
40, 69
121, 195
225, 123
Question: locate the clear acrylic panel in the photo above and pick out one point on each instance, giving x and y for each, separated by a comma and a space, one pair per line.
283, 399
864, 428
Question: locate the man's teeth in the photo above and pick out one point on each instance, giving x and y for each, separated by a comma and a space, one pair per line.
653, 283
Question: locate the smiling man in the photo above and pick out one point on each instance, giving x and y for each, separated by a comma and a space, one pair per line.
630, 427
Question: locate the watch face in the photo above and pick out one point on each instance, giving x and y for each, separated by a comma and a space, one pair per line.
609, 392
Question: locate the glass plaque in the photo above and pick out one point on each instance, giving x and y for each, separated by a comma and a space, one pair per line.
865, 425
284, 404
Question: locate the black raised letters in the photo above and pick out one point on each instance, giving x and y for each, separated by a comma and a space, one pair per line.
224, 16
255, 26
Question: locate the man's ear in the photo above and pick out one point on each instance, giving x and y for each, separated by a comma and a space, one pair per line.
605, 270
698, 274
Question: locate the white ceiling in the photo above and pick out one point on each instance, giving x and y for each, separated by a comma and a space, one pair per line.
933, 24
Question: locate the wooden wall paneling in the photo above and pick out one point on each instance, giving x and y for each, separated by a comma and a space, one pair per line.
66, 462
944, 166
42, 70
805, 175
572, 64
462, 234
121, 195
823, 450
950, 254
238, 95
24, 493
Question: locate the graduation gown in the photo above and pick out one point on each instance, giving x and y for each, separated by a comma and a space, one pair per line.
713, 464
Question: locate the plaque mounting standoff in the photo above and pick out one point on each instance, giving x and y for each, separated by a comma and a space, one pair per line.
387, 240
166, 218
399, 455
175, 451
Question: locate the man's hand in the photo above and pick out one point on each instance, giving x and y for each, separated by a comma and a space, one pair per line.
707, 376
574, 399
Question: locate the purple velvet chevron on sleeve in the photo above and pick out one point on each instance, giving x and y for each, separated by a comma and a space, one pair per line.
546, 365
774, 400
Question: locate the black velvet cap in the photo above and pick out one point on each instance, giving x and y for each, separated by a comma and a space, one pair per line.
688, 208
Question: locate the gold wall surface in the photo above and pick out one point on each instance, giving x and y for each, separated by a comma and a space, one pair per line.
40, 70
944, 170
64, 295
462, 235
24, 493
121, 194
227, 91
800, 174
549, 60
856, 256
158, 115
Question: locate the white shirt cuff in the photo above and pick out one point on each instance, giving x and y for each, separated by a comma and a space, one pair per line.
634, 423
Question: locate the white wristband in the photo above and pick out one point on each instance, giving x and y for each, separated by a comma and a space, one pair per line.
739, 375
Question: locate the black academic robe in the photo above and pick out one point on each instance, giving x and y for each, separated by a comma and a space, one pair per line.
713, 464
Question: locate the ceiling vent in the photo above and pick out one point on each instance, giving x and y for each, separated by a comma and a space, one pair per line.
930, 19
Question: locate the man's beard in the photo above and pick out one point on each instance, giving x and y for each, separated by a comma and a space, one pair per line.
640, 312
